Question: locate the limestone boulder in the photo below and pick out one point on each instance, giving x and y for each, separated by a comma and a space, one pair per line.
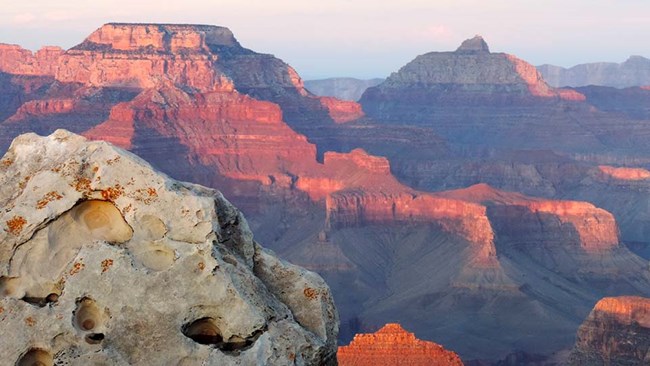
105, 261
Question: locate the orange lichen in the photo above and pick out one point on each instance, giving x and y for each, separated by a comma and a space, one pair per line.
95, 169
201, 266
82, 184
76, 268
49, 197
6, 162
30, 321
106, 264
310, 293
127, 208
112, 193
15, 225
152, 192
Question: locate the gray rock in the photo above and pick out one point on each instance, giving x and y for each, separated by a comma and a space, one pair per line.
106, 261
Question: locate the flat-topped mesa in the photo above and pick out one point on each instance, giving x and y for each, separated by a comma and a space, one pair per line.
161, 38
143, 55
392, 345
17, 60
473, 45
617, 332
536, 221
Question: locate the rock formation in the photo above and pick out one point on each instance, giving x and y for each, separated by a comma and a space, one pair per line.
392, 345
403, 227
17, 60
617, 332
91, 233
635, 71
341, 88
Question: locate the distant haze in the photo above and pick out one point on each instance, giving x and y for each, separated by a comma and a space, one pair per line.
360, 38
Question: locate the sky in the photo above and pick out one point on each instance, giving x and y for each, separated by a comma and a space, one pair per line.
360, 38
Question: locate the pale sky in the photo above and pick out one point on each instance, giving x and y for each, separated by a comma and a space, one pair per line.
360, 38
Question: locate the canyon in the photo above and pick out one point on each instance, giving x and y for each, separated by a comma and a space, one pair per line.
463, 186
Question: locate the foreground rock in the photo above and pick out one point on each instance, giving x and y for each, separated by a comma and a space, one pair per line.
617, 332
105, 261
392, 345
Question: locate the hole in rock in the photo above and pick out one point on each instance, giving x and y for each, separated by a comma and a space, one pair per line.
36, 357
205, 331
87, 315
103, 220
53, 297
95, 338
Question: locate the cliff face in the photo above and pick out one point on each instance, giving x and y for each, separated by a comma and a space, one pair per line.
635, 71
392, 345
617, 332
17, 60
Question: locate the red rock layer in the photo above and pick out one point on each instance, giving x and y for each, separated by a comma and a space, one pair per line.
536, 84
623, 173
392, 345
17, 60
342, 111
240, 137
596, 228
625, 310
43, 107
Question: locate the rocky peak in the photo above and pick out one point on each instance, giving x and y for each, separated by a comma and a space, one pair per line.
474, 45
617, 332
392, 345
160, 38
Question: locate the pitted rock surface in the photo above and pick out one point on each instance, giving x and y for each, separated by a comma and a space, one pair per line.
106, 261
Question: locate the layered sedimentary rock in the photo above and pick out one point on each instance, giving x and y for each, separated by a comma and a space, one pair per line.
392, 345
119, 61
617, 332
635, 71
242, 138
476, 97
17, 60
90, 234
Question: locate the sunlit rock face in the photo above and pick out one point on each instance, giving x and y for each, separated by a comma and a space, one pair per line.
392, 345
120, 61
106, 261
617, 332
17, 60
